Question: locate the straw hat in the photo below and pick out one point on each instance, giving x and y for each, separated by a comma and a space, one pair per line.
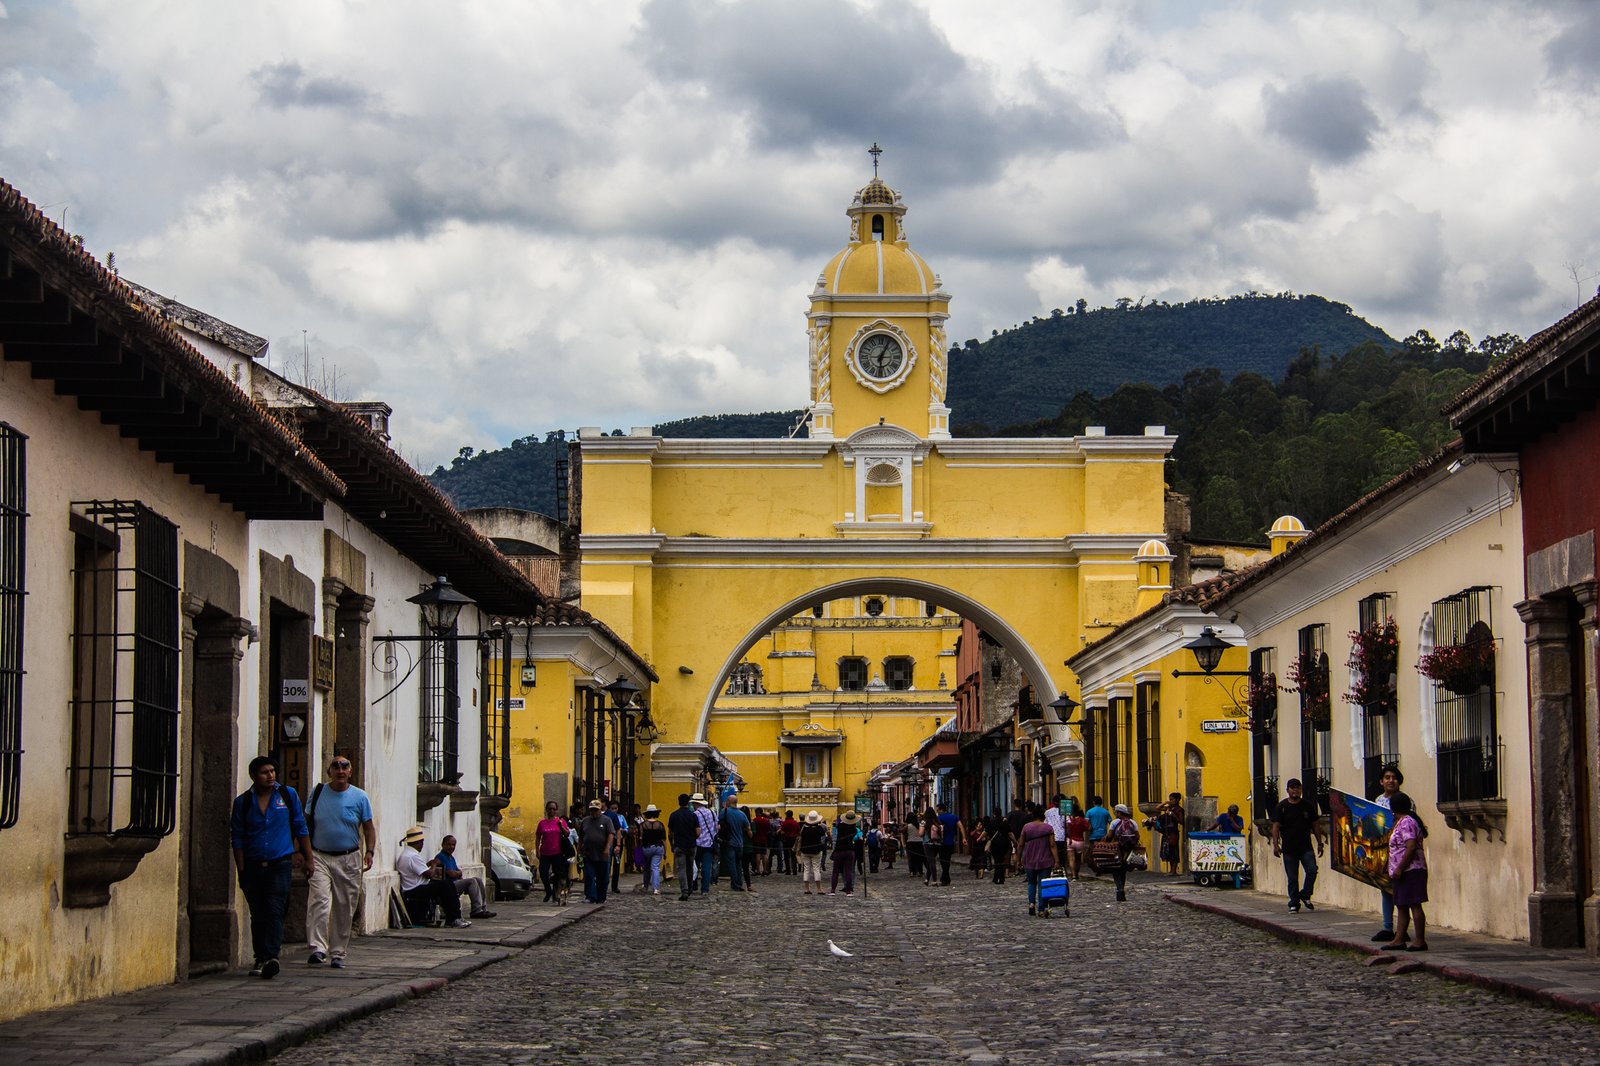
850, 817
415, 835
812, 817
698, 797
652, 809
596, 805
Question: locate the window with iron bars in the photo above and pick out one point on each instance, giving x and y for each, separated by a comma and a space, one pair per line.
1110, 753
494, 668
1380, 745
1470, 749
1148, 699
1316, 710
125, 654
1264, 731
13, 517
897, 671
592, 748
853, 674
440, 739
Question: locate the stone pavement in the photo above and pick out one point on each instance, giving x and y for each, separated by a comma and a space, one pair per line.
1568, 979
233, 1017
940, 975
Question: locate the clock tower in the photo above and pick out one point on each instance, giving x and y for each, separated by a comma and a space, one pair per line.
877, 328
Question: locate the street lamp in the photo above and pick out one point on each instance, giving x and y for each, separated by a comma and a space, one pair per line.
441, 605
622, 691
1208, 649
1064, 708
646, 730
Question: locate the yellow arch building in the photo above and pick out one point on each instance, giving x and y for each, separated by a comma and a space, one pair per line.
696, 551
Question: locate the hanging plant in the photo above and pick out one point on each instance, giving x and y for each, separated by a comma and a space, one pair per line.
1374, 661
1308, 674
1263, 700
1462, 668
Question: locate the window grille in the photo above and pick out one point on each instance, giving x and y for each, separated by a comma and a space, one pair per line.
1148, 698
1264, 731
1379, 740
853, 675
439, 750
494, 667
591, 781
125, 651
897, 672
1316, 714
1465, 707
13, 516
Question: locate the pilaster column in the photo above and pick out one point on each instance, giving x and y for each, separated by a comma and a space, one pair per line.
1553, 906
1587, 594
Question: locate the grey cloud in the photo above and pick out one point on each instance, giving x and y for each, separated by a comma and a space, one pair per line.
1575, 51
285, 84
829, 73
1328, 117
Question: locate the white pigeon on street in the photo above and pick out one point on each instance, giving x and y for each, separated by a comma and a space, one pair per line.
839, 951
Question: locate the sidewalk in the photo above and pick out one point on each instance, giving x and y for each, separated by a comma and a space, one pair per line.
232, 1017
1564, 978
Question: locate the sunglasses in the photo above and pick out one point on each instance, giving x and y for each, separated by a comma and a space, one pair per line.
340, 765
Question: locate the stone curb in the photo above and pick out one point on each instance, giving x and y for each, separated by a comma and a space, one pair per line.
1530, 989
264, 1041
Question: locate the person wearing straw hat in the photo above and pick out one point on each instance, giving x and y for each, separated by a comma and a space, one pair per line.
812, 839
423, 884
597, 840
653, 846
705, 841
845, 834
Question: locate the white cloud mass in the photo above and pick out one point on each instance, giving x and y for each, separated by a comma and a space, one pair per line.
511, 216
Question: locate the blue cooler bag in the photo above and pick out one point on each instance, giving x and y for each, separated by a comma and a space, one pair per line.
1053, 890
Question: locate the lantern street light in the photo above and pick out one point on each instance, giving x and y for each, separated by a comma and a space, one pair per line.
1064, 708
1208, 649
441, 605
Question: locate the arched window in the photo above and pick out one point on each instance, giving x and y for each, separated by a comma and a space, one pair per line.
853, 674
877, 227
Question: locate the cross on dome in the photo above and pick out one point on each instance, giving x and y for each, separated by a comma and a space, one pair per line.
874, 152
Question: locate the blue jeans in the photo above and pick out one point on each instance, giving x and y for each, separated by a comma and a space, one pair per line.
733, 855
266, 890
1034, 877
1292, 865
708, 869
596, 876
652, 867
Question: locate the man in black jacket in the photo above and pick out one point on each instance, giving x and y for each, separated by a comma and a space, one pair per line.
682, 828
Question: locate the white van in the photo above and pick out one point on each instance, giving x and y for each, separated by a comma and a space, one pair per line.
509, 868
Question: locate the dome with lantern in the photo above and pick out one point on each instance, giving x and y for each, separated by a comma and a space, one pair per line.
877, 261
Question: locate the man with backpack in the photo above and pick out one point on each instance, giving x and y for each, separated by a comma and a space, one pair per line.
1125, 831
268, 829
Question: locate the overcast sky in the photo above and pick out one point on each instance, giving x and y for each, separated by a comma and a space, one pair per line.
509, 217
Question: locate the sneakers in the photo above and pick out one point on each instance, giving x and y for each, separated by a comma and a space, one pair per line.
338, 962
488, 913
269, 969
1308, 905
255, 968
459, 923
1294, 908
317, 959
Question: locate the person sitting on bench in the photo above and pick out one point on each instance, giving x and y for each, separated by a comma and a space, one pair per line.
423, 884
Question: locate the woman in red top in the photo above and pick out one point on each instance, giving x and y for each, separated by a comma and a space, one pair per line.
549, 833
1077, 827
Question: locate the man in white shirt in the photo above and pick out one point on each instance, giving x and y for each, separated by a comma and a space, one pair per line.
423, 883
1057, 824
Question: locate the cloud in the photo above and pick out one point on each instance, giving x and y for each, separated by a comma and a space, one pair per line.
1328, 117
285, 84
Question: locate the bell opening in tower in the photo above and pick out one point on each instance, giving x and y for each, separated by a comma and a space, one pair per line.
877, 227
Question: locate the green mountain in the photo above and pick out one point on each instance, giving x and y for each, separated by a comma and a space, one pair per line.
1027, 372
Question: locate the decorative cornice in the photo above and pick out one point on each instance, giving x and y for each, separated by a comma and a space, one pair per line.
741, 448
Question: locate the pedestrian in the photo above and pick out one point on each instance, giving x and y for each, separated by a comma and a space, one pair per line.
1230, 822
845, 836
891, 844
978, 845
1038, 858
874, 848
1099, 818
931, 832
423, 884
1408, 873
1057, 822
1169, 824
760, 838
269, 830
791, 834
682, 830
653, 845
1292, 829
344, 839
952, 835
555, 848
1001, 844
705, 841
735, 830
597, 843
471, 886
911, 835
1077, 833
613, 811
1125, 831
812, 839
1389, 783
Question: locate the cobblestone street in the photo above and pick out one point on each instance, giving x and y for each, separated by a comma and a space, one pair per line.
941, 975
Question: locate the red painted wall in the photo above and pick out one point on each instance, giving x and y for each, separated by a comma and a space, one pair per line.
1561, 483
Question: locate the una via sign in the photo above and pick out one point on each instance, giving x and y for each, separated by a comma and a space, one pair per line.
1219, 725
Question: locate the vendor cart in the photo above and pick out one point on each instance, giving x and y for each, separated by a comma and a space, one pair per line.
1218, 858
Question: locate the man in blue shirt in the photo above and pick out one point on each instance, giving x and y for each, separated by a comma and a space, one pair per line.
1099, 818
268, 828
952, 833
340, 817
620, 821
735, 826
472, 886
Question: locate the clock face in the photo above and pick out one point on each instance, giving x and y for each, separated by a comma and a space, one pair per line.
880, 356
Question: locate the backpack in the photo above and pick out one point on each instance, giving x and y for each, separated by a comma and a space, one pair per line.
1127, 832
